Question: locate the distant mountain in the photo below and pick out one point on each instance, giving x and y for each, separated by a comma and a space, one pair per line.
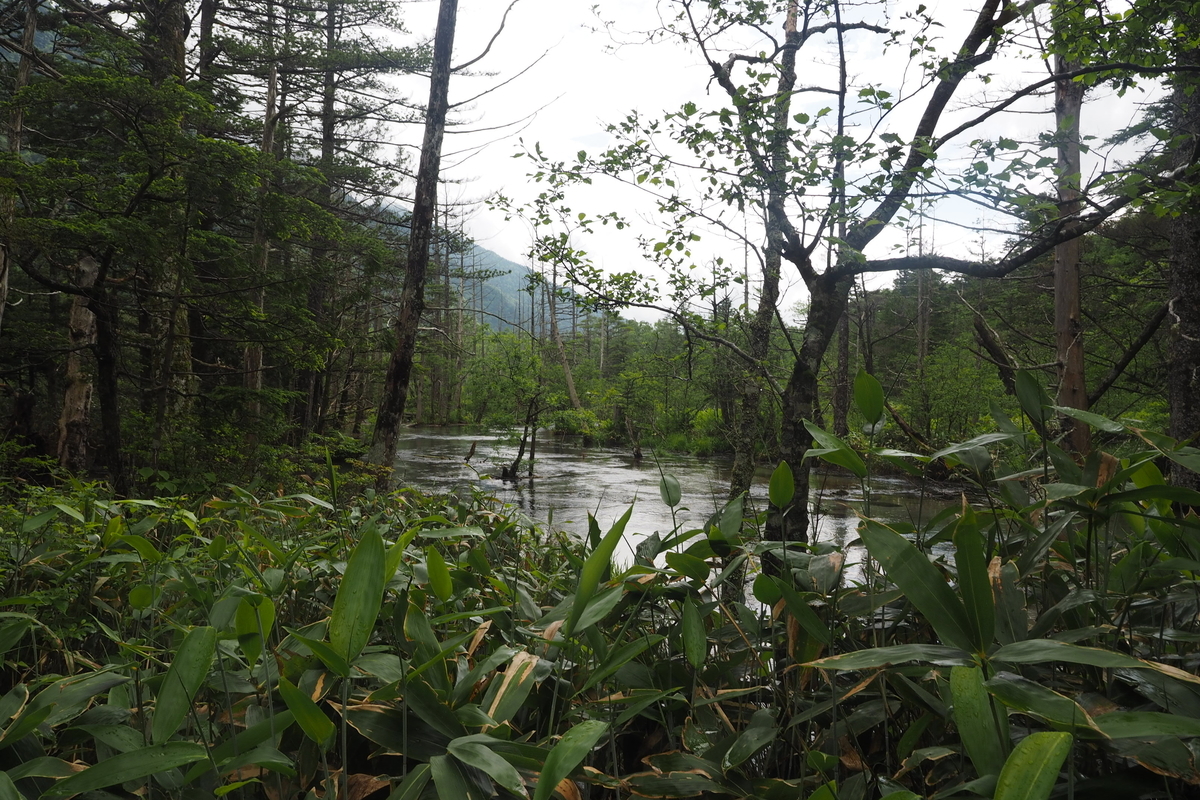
503, 294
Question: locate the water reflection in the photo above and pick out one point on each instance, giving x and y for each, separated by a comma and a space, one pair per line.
571, 481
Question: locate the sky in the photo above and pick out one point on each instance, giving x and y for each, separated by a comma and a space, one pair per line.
555, 76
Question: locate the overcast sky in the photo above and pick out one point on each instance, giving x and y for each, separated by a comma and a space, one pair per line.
577, 78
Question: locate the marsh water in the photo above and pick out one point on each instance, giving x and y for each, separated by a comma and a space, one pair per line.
570, 481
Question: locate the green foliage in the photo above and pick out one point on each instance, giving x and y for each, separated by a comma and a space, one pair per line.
1003, 649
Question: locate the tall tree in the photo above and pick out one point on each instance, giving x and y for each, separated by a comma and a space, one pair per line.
390, 414
734, 146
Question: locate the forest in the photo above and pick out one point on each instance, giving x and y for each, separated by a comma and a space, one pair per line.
958, 248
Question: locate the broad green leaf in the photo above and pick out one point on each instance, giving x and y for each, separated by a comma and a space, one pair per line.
439, 574
424, 701
450, 781
8, 790
782, 488
567, 754
669, 490
695, 638
922, 583
12, 633
868, 396
42, 767
599, 607
802, 612
1032, 397
1032, 768
1043, 651
973, 582
687, 564
331, 659
898, 654
267, 730
187, 672
976, 723
253, 622
508, 691
474, 753
1095, 420
732, 516
359, 597
1034, 699
129, 766
758, 734
413, 784
308, 714
65, 698
1147, 725
593, 570
835, 451
620, 657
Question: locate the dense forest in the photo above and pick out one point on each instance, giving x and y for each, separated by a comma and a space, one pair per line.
229, 279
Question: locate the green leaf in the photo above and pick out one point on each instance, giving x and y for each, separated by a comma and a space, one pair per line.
269, 729
782, 488
253, 621
187, 672
802, 612
1032, 769
359, 598
695, 638
308, 714
898, 654
330, 658
921, 582
1095, 420
413, 784
1030, 697
129, 766
566, 755
439, 574
976, 723
593, 570
973, 582
1032, 397
835, 451
450, 781
1043, 651
669, 490
687, 564
868, 396
474, 753
760, 733
1147, 725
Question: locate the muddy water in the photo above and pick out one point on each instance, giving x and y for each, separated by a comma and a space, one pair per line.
570, 481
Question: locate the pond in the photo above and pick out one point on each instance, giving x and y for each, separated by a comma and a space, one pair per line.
570, 481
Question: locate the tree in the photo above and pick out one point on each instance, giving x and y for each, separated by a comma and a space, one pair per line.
753, 153
412, 300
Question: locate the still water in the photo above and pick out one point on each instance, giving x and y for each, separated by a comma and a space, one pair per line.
570, 481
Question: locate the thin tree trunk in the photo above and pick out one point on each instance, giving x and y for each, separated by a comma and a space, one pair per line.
74, 421
747, 423
1068, 317
412, 299
558, 342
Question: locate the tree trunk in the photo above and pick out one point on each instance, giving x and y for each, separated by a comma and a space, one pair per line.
74, 422
745, 428
558, 342
412, 299
1068, 318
